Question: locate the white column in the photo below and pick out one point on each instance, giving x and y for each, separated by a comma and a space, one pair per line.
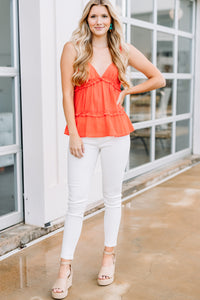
196, 129
32, 128
44, 28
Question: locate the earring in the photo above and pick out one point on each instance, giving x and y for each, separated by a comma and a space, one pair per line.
111, 27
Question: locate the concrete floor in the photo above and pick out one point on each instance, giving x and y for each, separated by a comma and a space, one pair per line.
158, 252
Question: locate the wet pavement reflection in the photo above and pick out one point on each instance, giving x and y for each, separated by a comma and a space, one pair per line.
158, 251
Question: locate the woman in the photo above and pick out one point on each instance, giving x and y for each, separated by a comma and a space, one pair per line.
93, 68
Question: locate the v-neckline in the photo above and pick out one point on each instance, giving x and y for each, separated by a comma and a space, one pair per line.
103, 72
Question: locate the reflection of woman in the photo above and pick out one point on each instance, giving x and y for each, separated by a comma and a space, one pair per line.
93, 67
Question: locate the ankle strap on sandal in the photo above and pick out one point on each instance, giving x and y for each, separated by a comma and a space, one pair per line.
65, 262
110, 252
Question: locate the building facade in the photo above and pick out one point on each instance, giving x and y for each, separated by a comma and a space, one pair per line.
33, 147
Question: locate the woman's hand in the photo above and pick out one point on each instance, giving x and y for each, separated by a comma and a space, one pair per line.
76, 146
121, 98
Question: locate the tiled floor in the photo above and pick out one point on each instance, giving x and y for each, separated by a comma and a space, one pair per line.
158, 252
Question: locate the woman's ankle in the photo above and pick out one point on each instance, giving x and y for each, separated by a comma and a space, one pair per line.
65, 260
63, 269
109, 249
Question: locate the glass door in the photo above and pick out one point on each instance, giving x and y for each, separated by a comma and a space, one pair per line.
164, 31
11, 203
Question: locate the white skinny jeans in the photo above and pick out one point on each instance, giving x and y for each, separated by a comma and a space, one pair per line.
114, 155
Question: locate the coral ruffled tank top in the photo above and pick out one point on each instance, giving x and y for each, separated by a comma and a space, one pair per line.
97, 113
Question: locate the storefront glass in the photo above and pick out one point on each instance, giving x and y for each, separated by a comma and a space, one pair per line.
11, 211
164, 32
165, 12
6, 49
142, 10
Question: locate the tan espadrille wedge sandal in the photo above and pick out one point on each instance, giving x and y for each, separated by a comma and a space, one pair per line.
107, 271
63, 284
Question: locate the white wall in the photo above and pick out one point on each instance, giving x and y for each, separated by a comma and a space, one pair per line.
31, 88
43, 33
42, 117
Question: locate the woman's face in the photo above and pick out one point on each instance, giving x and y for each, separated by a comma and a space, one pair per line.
99, 20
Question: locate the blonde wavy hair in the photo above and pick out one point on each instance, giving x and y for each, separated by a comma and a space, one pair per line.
82, 41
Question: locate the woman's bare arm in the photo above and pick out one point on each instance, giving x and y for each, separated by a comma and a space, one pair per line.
141, 63
66, 65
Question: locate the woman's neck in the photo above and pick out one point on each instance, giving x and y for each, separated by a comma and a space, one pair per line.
100, 42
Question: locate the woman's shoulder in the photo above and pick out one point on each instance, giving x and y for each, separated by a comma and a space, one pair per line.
128, 46
132, 51
68, 54
125, 48
69, 47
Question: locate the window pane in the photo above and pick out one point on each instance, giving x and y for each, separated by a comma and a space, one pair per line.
142, 39
6, 112
183, 96
7, 184
140, 147
163, 144
5, 34
185, 15
182, 135
121, 6
165, 56
184, 55
142, 10
140, 105
165, 15
164, 100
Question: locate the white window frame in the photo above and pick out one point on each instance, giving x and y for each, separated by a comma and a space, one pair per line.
196, 109
15, 149
132, 172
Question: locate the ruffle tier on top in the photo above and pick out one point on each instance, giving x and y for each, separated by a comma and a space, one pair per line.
97, 113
